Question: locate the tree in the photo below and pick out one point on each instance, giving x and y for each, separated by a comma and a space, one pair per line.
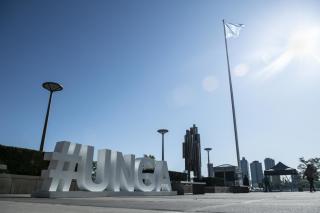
246, 181
303, 165
149, 156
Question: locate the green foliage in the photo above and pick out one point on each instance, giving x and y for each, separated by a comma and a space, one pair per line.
246, 181
303, 183
22, 161
303, 165
94, 170
149, 156
260, 185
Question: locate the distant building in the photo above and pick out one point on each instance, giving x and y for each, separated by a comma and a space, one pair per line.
226, 172
256, 173
244, 167
268, 164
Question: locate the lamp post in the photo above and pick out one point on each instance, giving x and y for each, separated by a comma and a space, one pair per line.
51, 87
162, 132
208, 150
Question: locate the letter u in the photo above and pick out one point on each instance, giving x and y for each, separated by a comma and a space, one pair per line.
84, 173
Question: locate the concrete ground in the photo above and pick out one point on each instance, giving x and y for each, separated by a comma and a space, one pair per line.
256, 202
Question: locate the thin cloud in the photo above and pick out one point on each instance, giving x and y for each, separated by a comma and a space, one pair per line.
210, 83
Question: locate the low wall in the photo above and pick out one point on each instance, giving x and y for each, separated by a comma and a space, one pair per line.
226, 189
23, 184
217, 189
19, 184
240, 189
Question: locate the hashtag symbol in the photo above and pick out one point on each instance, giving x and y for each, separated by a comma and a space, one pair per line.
62, 166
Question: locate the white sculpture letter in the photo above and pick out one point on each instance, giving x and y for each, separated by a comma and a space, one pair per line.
60, 172
114, 171
122, 168
144, 181
162, 176
84, 177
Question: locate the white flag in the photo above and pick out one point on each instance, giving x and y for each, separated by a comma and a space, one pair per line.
233, 30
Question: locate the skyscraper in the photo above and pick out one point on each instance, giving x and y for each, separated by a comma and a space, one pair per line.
268, 163
256, 173
244, 167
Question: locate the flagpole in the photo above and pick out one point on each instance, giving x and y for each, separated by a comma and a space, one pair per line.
232, 100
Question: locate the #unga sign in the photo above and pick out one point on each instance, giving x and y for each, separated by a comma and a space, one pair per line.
114, 172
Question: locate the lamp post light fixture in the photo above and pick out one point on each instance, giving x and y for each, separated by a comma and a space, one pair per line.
51, 87
208, 150
162, 132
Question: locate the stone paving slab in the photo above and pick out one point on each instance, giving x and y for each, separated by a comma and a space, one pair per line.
281, 202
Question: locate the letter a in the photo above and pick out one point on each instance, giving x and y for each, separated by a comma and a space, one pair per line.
162, 177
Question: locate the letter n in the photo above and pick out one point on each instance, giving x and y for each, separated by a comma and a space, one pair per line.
122, 172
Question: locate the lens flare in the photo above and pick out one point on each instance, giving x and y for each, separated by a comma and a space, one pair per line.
304, 43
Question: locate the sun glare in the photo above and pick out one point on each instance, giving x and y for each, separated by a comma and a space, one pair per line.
304, 43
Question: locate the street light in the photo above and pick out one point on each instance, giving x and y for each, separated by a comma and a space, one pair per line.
208, 150
51, 87
162, 132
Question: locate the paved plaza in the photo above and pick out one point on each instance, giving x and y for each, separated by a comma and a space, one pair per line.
280, 202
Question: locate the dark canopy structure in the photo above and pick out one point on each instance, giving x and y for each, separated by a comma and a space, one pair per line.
280, 169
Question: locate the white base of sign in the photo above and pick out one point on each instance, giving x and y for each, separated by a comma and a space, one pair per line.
85, 194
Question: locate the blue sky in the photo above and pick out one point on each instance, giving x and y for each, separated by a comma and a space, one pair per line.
131, 67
